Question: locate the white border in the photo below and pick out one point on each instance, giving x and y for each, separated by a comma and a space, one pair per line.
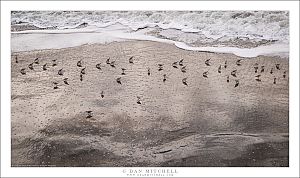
6, 7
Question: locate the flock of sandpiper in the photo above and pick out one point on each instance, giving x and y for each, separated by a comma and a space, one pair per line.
176, 64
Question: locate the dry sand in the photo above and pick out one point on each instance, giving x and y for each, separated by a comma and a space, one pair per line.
207, 123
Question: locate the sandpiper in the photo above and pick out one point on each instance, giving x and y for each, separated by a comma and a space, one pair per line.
123, 71
98, 66
138, 100
184, 81
233, 73
219, 69
236, 83
23, 72
45, 66
207, 62
30, 66
66, 81
180, 62
60, 72
119, 80
205, 74
130, 60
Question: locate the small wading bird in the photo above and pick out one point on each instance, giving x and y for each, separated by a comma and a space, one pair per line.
258, 78
55, 85
82, 71
274, 82
149, 71
262, 69
174, 64
227, 78
219, 69
36, 61
123, 71
271, 72
205, 74
207, 62
89, 114
112, 64
102, 94
138, 100
233, 73
60, 72
30, 66
225, 66
165, 78
54, 62
284, 74
184, 81
277, 66
130, 60
45, 66
17, 59
238, 62
98, 66
183, 69
81, 77
180, 62
23, 72
160, 68
236, 83
119, 80
107, 61
66, 81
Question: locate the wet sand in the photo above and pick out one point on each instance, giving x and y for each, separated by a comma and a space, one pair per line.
207, 123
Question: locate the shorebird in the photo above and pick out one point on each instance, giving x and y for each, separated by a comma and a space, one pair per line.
82, 71
165, 78
130, 60
123, 71
227, 78
274, 82
102, 94
60, 72
271, 72
17, 59
107, 60
79, 63
112, 64
284, 74
207, 62
236, 83
205, 74
30, 66
184, 81
138, 100
23, 72
277, 66
258, 78
175, 64
55, 85
119, 80
238, 62
160, 68
233, 73
54, 62
183, 69
36, 61
66, 81
219, 69
256, 67
180, 62
262, 69
98, 66
148, 71
89, 114
81, 77
45, 66
225, 66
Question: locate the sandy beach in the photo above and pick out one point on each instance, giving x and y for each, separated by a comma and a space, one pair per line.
208, 122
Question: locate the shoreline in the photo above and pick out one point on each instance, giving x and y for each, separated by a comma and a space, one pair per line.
32, 40
208, 116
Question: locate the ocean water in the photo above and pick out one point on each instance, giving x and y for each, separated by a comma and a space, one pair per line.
216, 31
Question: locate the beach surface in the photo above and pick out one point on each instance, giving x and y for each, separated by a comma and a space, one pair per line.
208, 122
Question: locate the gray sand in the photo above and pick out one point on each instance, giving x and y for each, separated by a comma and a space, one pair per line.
207, 123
